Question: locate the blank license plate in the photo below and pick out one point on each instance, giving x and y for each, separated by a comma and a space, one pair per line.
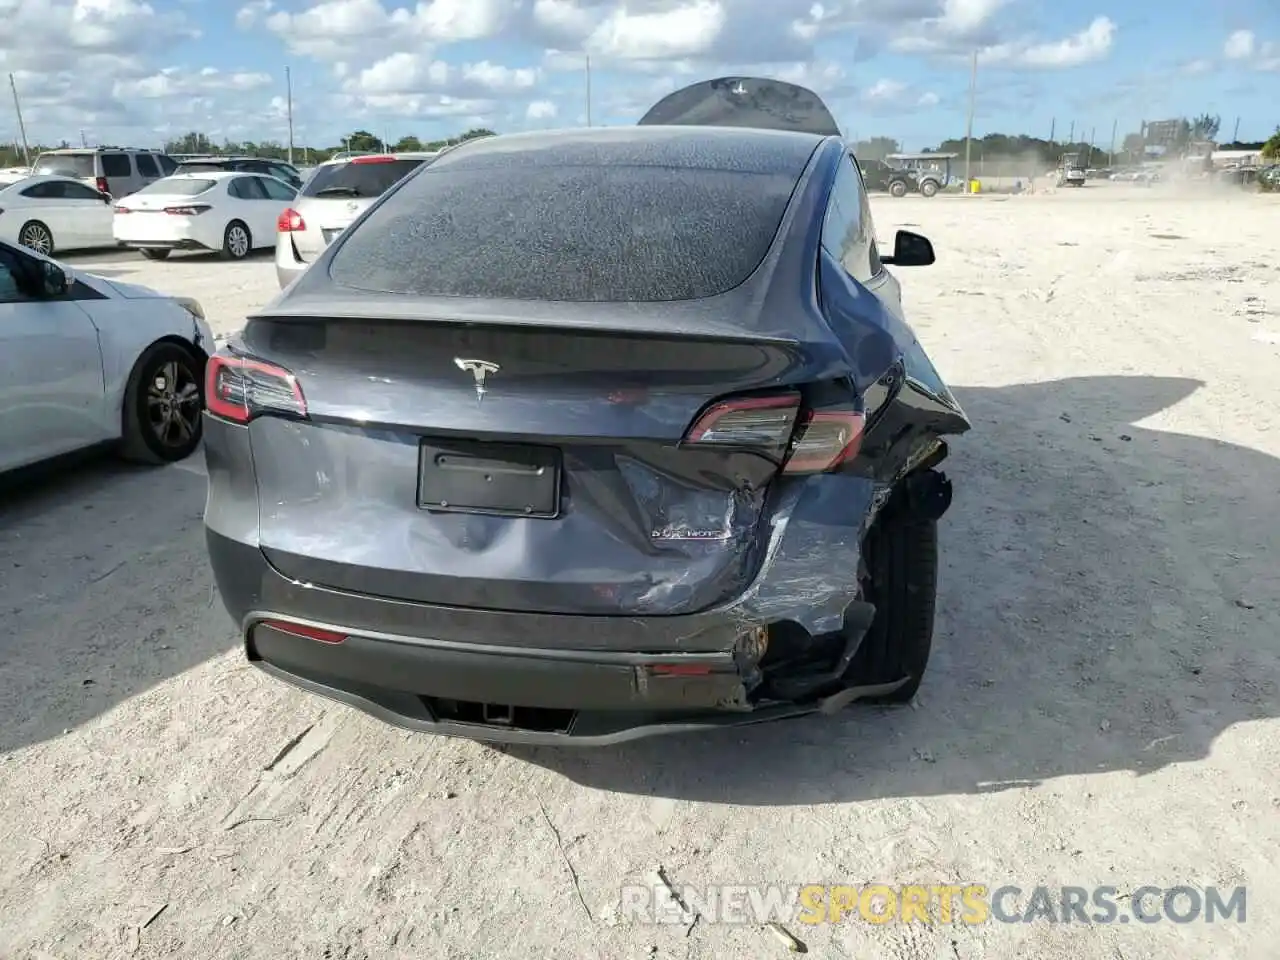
500, 479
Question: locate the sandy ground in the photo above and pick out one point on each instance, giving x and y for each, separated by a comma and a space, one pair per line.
1101, 708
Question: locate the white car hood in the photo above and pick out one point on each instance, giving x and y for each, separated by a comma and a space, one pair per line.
130, 291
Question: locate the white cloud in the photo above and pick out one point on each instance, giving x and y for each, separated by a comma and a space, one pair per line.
928, 99
1088, 45
541, 110
681, 31
1240, 45
251, 14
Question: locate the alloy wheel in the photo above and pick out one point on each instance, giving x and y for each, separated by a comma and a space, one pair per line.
35, 237
173, 403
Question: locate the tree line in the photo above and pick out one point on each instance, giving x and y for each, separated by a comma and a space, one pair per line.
195, 141
1131, 149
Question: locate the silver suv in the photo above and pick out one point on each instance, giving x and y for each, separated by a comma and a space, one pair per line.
335, 194
116, 171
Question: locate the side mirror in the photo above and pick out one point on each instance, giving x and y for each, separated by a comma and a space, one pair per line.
54, 281
910, 250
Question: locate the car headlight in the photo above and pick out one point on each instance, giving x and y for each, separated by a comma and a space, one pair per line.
191, 305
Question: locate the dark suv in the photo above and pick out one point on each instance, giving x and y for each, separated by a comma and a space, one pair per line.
878, 175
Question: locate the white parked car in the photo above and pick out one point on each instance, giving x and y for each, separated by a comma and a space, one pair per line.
87, 361
51, 214
234, 213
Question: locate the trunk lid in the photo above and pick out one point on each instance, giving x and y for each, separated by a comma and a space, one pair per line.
549, 460
323, 220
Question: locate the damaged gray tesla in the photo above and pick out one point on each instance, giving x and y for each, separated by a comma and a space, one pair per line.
586, 435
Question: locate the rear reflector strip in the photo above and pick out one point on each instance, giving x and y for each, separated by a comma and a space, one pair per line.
318, 634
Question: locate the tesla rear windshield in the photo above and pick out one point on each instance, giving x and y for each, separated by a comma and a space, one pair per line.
177, 187
577, 232
77, 165
358, 179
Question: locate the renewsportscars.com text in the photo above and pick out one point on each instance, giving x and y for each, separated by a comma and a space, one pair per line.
968, 904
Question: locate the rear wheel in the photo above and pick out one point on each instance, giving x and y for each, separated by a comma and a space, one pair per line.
929, 188
162, 254
901, 554
162, 405
34, 235
898, 188
237, 242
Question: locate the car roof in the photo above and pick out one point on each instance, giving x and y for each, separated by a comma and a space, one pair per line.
744, 149
42, 178
209, 175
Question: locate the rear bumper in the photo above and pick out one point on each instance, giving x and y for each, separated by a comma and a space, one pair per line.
288, 266
560, 678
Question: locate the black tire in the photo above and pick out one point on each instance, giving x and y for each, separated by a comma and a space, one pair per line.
898, 188
929, 188
901, 554
237, 241
152, 254
34, 235
163, 420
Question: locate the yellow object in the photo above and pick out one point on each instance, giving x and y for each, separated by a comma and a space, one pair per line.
975, 186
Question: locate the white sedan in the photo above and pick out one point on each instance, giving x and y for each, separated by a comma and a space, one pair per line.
87, 361
233, 213
55, 213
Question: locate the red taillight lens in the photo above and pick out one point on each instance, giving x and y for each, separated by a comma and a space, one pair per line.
123, 210
290, 221
374, 159
101, 183
190, 210
747, 422
239, 388
825, 439
318, 634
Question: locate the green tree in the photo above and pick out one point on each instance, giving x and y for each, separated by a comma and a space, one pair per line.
408, 145
877, 148
1271, 149
363, 141
1205, 127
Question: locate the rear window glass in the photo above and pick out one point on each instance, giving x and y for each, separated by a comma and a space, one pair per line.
146, 165
116, 165
79, 165
358, 179
589, 232
178, 187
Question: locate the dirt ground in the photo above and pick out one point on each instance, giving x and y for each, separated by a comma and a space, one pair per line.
1102, 706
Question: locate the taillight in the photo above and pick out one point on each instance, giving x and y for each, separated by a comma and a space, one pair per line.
290, 221
813, 441
101, 183
239, 388
747, 422
380, 158
190, 210
824, 440
123, 210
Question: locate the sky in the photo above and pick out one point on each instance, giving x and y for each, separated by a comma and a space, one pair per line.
138, 72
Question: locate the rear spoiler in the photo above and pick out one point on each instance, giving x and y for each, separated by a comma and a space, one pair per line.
752, 102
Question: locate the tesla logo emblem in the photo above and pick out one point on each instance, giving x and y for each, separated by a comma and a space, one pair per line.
738, 89
478, 369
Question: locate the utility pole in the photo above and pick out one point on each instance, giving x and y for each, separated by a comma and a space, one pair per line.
288, 86
968, 128
1111, 154
588, 90
22, 127
1093, 132
1235, 137
84, 141
1053, 131
1071, 134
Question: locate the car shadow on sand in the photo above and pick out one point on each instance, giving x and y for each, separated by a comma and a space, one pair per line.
1108, 602
105, 590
